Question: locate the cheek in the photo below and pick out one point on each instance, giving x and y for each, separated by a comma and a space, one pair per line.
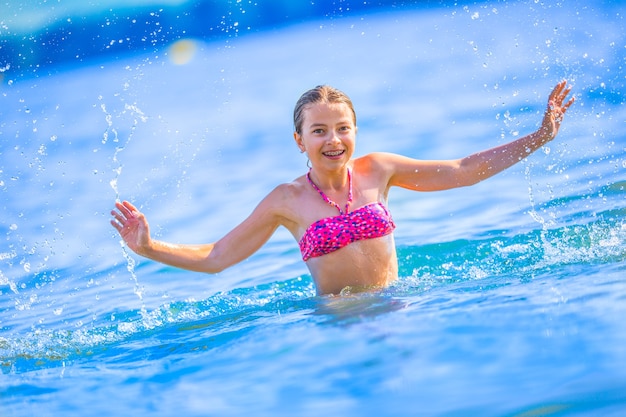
350, 139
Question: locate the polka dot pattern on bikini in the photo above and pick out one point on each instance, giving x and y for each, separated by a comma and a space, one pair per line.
332, 233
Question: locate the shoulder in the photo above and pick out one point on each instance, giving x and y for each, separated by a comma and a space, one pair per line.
392, 163
375, 170
397, 170
378, 163
378, 159
285, 198
288, 191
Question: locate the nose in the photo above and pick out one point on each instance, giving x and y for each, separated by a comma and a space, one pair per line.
334, 137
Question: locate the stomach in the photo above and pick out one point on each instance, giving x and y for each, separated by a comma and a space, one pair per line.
364, 265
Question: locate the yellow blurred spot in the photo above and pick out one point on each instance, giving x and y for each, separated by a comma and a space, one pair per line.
182, 51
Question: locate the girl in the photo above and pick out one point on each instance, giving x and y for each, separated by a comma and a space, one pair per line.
337, 211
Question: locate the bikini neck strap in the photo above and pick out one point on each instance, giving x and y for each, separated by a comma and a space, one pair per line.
328, 200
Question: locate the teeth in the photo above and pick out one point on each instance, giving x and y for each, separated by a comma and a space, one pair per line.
333, 153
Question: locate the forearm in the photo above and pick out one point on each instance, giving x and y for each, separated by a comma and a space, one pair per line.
237, 245
191, 257
484, 164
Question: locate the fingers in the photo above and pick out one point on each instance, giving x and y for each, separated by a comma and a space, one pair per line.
119, 218
569, 103
563, 96
555, 102
117, 226
560, 93
557, 90
126, 208
129, 206
125, 211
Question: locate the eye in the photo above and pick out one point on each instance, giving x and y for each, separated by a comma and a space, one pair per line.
318, 131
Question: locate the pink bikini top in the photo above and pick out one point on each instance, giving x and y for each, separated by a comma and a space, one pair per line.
331, 233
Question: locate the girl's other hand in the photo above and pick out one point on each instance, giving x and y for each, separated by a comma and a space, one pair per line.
132, 226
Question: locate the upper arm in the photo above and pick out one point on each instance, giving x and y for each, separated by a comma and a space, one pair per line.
248, 237
423, 175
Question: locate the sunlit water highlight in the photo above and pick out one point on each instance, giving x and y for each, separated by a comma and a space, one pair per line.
512, 294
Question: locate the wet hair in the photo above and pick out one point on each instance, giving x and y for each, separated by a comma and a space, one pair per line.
319, 94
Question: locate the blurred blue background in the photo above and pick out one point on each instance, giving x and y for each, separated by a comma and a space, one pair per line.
46, 34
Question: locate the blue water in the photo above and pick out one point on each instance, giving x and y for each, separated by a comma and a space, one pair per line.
512, 294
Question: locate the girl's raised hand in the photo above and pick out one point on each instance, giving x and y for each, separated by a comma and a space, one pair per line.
131, 225
556, 109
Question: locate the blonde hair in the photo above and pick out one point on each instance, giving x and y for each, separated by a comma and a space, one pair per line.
319, 94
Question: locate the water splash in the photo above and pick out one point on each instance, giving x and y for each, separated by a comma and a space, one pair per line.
137, 117
221, 312
523, 256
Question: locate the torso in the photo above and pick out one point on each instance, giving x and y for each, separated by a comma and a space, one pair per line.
361, 265
330, 234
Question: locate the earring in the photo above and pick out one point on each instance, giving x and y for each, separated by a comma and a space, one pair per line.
308, 163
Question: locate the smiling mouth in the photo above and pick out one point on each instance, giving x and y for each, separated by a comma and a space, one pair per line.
334, 153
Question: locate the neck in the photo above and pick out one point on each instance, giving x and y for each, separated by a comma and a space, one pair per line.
331, 180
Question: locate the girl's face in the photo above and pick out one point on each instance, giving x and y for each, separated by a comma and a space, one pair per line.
328, 134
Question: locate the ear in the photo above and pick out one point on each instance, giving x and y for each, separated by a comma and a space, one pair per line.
298, 138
